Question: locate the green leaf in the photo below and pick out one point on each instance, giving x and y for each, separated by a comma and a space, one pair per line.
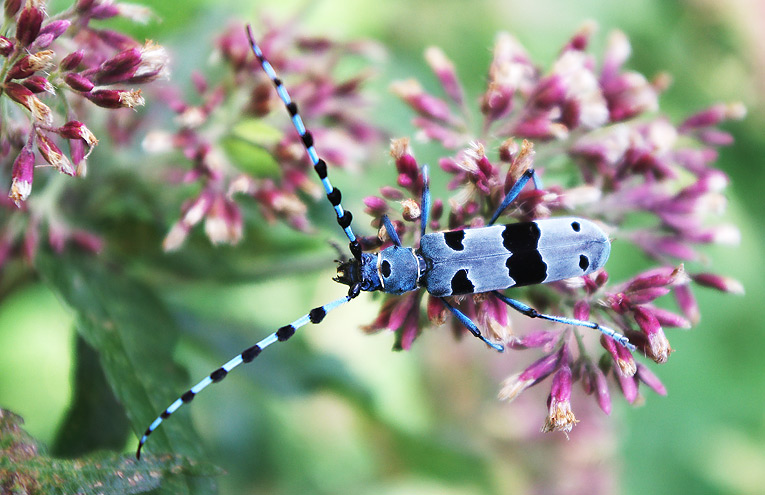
134, 336
26, 468
95, 420
247, 148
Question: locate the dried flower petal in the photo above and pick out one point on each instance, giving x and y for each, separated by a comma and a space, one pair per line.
23, 175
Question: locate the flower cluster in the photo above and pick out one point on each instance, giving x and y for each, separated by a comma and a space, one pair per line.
226, 105
646, 180
53, 68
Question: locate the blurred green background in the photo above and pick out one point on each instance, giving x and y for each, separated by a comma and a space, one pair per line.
336, 411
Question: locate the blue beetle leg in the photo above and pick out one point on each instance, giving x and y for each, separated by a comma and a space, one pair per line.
533, 313
391, 230
515, 191
425, 201
462, 317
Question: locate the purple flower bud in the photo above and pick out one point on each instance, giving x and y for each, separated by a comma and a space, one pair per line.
447, 76
600, 385
713, 116
153, 65
560, 417
175, 238
540, 127
84, 5
223, 223
687, 303
58, 235
437, 132
625, 363
77, 130
20, 94
28, 25
657, 277
497, 102
11, 8
71, 61
118, 68
56, 28
719, 234
375, 206
581, 38
409, 331
30, 64
538, 339
582, 310
50, 32
715, 137
389, 192
658, 347
548, 93
23, 175
667, 318
78, 82
113, 98
421, 102
436, 210
646, 376
629, 386
200, 82
719, 282
647, 295
103, 11
628, 95
88, 241
696, 160
78, 154
38, 84
436, 311
53, 154
43, 40
400, 313
116, 40
6, 46
537, 371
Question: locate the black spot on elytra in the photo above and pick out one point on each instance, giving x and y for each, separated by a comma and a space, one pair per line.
461, 284
519, 237
385, 268
576, 226
525, 264
584, 262
454, 239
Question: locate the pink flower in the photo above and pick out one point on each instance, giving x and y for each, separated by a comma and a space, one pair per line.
625, 161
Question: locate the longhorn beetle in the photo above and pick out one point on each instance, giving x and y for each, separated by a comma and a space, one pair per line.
469, 261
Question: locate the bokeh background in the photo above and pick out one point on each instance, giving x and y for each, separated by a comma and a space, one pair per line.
336, 411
